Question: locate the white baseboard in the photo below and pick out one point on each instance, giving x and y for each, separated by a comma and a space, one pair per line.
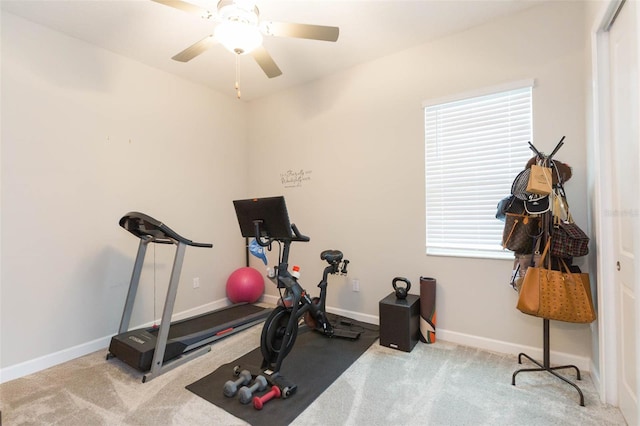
369, 319
202, 309
556, 358
42, 363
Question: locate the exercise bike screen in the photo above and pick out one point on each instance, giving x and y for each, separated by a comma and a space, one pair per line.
271, 211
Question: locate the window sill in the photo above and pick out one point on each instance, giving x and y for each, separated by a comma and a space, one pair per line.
499, 255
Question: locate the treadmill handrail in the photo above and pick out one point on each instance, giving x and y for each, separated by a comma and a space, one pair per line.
145, 227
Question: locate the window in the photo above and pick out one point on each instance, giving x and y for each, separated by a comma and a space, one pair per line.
475, 145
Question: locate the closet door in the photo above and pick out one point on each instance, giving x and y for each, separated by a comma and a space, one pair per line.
623, 48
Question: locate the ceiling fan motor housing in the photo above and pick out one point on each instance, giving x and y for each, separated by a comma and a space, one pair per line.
241, 11
238, 28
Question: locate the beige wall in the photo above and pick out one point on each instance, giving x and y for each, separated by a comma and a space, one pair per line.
360, 136
88, 136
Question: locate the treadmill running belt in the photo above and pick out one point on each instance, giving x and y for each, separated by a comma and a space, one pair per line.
202, 322
137, 347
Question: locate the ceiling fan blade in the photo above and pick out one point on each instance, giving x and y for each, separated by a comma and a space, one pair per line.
313, 32
266, 62
187, 7
194, 50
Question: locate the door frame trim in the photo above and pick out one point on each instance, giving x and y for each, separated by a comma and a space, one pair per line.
607, 342
607, 381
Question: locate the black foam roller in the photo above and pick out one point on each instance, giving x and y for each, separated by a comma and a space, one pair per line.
427, 310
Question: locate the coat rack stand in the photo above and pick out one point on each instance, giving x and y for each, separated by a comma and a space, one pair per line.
545, 366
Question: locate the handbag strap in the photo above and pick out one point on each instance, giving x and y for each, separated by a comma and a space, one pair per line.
506, 240
544, 252
566, 268
513, 227
514, 275
535, 250
561, 194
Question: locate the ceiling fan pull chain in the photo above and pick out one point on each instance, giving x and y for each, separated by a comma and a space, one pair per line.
237, 78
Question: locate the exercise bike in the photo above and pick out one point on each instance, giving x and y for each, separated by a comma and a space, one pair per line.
269, 222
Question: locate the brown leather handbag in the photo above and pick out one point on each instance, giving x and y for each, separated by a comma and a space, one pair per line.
557, 295
519, 232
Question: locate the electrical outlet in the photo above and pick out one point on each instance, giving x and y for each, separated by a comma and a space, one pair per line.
196, 282
356, 285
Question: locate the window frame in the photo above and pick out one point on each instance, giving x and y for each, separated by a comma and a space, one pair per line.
492, 253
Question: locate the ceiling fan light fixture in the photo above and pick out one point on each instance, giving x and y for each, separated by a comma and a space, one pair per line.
238, 37
240, 30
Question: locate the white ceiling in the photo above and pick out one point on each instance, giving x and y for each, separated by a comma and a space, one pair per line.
152, 33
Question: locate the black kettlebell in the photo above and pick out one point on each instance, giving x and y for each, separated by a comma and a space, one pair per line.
401, 292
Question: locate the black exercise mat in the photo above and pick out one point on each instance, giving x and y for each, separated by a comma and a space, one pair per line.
313, 364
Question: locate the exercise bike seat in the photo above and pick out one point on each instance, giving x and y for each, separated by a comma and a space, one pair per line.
331, 256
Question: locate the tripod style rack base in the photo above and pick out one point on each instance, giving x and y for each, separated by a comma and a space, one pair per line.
545, 366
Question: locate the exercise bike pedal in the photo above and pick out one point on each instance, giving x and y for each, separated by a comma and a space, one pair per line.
287, 388
287, 391
346, 334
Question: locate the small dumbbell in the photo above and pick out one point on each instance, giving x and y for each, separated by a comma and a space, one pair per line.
259, 401
246, 393
231, 387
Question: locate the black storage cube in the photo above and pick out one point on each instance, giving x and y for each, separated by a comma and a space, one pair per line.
400, 322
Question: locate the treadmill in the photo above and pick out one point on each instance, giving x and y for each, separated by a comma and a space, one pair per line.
156, 350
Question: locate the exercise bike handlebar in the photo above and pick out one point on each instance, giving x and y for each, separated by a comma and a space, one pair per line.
297, 236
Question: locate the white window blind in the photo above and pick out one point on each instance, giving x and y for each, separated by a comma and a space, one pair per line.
475, 146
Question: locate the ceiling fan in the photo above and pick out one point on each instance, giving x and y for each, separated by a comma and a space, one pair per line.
240, 30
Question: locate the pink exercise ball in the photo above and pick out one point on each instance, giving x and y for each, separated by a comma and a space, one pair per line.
245, 285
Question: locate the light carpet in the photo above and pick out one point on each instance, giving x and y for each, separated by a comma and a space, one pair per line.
435, 384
